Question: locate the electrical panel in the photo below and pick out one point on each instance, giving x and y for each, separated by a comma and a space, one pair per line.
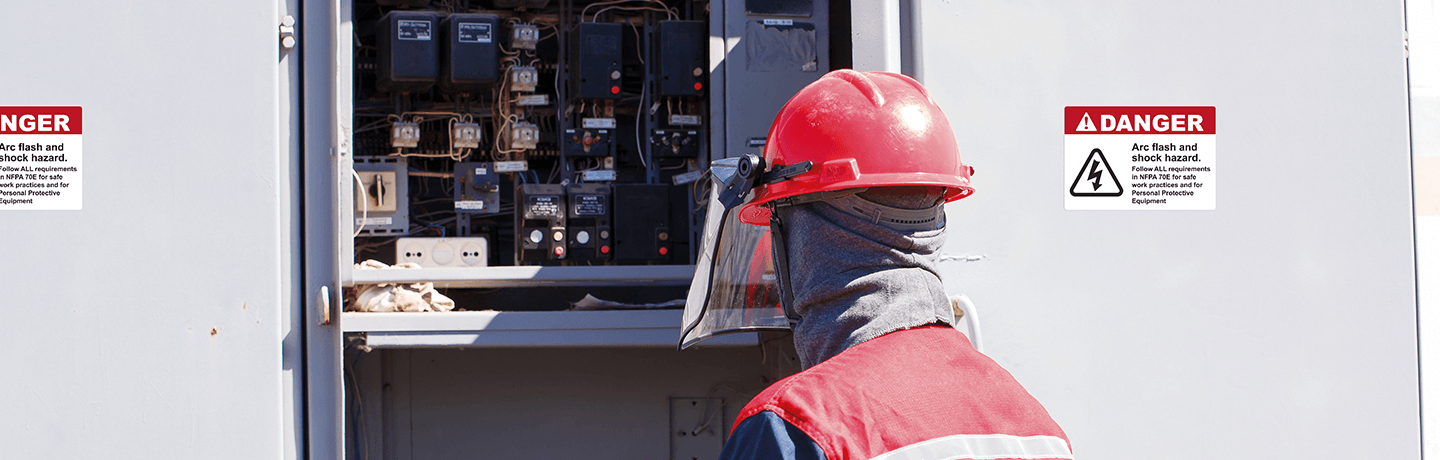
552, 133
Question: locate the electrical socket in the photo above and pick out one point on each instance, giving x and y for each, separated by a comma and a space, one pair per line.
443, 252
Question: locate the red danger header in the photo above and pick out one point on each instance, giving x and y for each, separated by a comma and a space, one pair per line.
39, 120
1140, 120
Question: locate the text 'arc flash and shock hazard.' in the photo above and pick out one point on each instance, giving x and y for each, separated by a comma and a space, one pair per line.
40, 158
1139, 158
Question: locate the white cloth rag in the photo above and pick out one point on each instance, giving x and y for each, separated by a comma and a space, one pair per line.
387, 297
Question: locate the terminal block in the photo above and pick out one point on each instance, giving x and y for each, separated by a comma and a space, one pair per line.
524, 78
405, 134
465, 135
523, 135
587, 142
675, 143
524, 36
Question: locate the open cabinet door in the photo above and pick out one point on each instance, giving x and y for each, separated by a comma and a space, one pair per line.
327, 156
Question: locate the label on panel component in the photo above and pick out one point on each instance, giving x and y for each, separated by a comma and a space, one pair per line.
531, 100
474, 32
600, 175
1140, 158
589, 205
481, 171
779, 22
470, 205
544, 205
412, 30
593, 123
40, 159
511, 166
685, 120
374, 221
692, 176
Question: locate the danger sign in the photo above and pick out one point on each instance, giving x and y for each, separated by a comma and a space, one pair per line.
40, 158
1140, 158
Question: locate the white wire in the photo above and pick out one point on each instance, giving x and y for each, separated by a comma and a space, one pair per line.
640, 110
971, 316
364, 204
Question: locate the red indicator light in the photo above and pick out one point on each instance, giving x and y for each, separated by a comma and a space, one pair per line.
697, 86
614, 90
559, 250
664, 251
605, 249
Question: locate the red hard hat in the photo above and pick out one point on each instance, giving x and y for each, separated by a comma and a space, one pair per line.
871, 129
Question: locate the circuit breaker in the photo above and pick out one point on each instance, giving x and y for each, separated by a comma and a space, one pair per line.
588, 222
409, 51
539, 223
597, 59
469, 52
642, 222
682, 58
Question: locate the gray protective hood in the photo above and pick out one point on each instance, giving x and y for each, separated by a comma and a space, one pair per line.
855, 280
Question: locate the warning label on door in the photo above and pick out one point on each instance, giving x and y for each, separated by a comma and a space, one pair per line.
40, 158
1140, 158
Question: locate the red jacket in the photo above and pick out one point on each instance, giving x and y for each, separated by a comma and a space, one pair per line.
917, 393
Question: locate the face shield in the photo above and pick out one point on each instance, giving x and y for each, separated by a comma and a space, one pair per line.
735, 287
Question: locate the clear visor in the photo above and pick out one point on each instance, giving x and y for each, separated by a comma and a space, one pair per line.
734, 289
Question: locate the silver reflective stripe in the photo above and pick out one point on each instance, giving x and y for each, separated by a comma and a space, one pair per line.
982, 446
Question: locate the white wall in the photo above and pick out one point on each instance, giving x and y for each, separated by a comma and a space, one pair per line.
1280, 325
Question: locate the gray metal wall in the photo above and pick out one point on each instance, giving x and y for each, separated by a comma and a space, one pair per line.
156, 322
512, 403
1280, 325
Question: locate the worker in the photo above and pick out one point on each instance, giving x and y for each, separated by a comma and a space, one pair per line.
856, 171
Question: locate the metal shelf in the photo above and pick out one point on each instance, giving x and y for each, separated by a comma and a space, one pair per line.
606, 328
532, 276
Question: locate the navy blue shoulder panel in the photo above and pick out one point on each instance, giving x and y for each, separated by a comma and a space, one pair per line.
765, 436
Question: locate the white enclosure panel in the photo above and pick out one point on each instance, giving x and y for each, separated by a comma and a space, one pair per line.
149, 324
1280, 325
